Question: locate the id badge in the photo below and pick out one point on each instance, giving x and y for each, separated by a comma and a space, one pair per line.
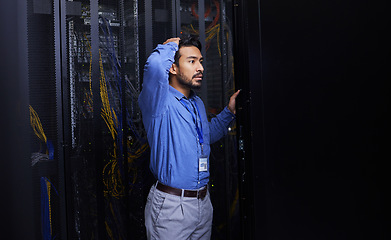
203, 164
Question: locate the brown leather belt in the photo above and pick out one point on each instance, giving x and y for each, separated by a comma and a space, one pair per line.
200, 194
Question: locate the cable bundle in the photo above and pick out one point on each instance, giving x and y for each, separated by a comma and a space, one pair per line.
46, 210
36, 124
212, 30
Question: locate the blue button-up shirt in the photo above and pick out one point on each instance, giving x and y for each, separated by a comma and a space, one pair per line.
171, 128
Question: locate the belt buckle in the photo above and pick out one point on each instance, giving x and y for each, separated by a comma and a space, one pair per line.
199, 194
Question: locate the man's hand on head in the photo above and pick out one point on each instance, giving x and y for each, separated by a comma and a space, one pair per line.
232, 102
176, 40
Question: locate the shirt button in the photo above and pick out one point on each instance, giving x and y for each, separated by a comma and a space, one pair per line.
198, 182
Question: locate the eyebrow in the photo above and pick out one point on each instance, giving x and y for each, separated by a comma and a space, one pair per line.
194, 57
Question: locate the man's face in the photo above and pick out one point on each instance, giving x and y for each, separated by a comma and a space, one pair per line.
190, 69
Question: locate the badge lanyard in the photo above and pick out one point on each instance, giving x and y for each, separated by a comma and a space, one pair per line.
198, 128
202, 160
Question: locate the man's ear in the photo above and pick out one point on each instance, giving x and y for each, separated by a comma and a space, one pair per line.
173, 69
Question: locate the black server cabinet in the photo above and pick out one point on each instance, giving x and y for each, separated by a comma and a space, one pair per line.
313, 118
15, 165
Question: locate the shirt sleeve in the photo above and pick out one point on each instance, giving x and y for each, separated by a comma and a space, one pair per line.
218, 126
153, 96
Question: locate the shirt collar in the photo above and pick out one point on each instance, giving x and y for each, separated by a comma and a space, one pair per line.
178, 95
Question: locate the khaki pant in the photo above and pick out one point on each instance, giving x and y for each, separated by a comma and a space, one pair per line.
172, 217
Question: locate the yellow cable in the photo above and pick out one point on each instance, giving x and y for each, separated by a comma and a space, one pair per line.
218, 40
111, 173
106, 113
108, 230
211, 33
36, 124
50, 207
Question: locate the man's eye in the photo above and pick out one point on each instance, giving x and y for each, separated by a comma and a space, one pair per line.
191, 61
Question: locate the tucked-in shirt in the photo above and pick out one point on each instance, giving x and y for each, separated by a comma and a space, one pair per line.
171, 127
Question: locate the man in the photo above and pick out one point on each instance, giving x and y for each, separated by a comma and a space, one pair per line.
179, 135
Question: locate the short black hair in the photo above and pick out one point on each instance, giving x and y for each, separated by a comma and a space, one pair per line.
187, 41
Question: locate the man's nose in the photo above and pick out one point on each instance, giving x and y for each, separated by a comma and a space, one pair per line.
200, 68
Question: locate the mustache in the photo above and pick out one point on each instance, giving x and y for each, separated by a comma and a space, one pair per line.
198, 75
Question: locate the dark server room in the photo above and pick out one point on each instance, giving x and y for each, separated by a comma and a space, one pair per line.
306, 158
